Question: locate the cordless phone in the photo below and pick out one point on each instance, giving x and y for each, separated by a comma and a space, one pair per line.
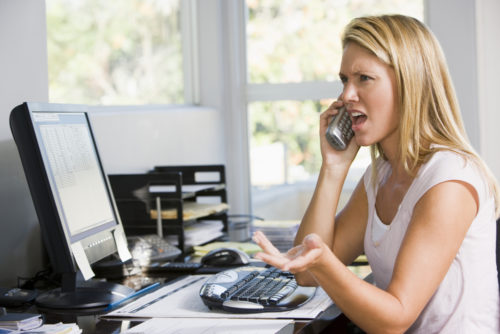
339, 131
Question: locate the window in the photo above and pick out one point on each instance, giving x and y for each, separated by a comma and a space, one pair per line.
299, 41
115, 52
293, 55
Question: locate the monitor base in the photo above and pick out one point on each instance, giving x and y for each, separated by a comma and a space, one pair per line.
90, 294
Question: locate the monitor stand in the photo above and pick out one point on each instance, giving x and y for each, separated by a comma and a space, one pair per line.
82, 294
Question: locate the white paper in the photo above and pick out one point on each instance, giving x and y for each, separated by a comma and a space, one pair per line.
82, 261
211, 326
121, 245
181, 299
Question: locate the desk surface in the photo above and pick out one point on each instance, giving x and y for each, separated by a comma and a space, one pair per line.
331, 320
92, 324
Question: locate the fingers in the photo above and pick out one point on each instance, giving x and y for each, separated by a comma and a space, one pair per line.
297, 259
308, 254
260, 239
293, 251
332, 109
326, 117
271, 255
303, 262
312, 241
275, 261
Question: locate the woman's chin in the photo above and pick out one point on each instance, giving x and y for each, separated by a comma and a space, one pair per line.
363, 141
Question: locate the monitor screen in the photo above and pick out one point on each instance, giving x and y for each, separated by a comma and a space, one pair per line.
78, 218
74, 172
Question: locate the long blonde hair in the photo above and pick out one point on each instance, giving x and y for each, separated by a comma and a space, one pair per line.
429, 110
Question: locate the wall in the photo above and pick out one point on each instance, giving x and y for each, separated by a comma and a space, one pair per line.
23, 64
488, 55
134, 139
454, 24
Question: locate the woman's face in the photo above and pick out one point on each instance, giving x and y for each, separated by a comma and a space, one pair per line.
370, 96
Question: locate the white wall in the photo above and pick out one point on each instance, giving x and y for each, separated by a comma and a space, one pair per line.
23, 59
488, 74
23, 68
135, 139
454, 24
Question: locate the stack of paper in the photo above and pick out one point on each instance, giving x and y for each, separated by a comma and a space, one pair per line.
192, 210
199, 233
280, 232
248, 247
20, 321
59, 328
216, 325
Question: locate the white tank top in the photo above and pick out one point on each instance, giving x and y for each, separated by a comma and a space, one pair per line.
467, 300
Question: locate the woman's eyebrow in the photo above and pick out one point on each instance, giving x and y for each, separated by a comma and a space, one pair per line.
357, 72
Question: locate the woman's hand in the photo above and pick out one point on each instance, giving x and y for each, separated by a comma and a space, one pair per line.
332, 157
298, 259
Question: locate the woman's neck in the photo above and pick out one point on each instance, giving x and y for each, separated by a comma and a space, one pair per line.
393, 155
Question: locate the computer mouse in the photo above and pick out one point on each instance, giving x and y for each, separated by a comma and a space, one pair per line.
222, 257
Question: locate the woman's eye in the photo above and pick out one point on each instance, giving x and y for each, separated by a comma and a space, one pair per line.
363, 77
343, 80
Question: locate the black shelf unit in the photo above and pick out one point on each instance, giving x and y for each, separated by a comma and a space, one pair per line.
139, 196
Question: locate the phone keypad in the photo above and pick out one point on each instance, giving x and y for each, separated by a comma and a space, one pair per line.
339, 132
345, 127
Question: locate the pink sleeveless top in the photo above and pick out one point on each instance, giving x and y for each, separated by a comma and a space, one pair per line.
467, 300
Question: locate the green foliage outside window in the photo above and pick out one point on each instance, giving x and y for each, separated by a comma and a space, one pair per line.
299, 40
114, 52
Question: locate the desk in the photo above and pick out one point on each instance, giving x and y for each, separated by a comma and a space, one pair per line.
329, 321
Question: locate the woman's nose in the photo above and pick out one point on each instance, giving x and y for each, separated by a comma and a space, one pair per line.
349, 93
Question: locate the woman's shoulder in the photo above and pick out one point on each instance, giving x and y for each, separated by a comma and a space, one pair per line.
448, 164
449, 161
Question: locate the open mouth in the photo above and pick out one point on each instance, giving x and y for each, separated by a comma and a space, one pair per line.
357, 118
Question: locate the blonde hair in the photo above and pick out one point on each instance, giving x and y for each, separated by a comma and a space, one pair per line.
429, 110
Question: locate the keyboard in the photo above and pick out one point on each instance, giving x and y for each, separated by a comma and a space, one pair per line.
252, 289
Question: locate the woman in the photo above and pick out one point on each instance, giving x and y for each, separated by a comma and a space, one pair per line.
424, 212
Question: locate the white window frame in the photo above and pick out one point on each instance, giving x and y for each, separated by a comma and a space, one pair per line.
189, 38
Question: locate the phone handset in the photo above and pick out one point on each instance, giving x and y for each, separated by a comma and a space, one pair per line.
339, 131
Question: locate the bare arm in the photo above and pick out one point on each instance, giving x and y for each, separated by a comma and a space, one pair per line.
350, 226
343, 234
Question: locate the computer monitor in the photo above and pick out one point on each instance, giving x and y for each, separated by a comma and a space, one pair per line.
78, 218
